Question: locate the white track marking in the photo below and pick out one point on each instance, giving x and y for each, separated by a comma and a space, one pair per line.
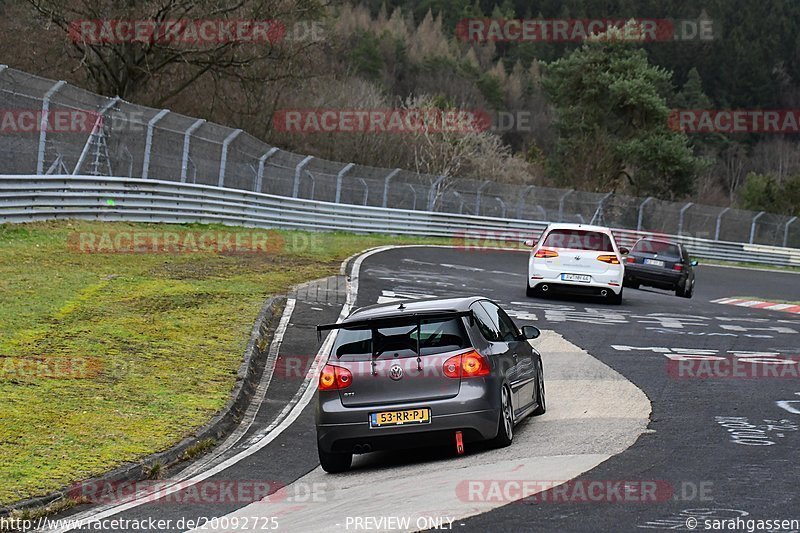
289, 414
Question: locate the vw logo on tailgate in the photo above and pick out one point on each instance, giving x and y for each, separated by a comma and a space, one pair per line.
396, 372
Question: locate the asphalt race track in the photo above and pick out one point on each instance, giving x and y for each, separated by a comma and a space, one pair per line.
665, 397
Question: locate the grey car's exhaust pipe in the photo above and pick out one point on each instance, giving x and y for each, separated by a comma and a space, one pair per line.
545, 288
367, 448
604, 293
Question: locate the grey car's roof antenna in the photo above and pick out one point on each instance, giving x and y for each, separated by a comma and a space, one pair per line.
401, 306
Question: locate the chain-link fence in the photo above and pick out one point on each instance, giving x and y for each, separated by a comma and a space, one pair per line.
54, 128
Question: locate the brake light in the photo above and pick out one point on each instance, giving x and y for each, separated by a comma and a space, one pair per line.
677, 267
544, 252
334, 377
630, 259
466, 365
610, 259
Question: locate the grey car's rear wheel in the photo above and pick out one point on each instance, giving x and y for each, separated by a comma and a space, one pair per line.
334, 463
540, 393
505, 430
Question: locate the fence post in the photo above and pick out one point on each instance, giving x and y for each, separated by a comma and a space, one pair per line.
502, 205
186, 140
366, 190
297, 170
598, 214
261, 162
386, 181
680, 219
432, 192
521, 203
786, 231
43, 125
414, 195
753, 226
461, 202
641, 213
223, 161
148, 143
339, 178
719, 222
485, 184
561, 204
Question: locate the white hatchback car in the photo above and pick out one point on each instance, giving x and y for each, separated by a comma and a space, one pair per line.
576, 259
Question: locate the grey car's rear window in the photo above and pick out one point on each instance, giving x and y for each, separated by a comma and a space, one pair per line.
657, 247
400, 340
576, 239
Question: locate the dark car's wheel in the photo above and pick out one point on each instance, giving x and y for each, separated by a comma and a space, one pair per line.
333, 463
505, 430
540, 393
687, 292
630, 282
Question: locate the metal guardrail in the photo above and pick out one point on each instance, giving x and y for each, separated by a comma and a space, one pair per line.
47, 197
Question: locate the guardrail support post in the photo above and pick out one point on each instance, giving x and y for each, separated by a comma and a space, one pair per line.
432, 193
3, 67
786, 231
386, 181
261, 162
561, 204
753, 226
478, 195
339, 178
719, 222
680, 219
641, 213
186, 142
521, 203
43, 125
223, 162
148, 142
297, 170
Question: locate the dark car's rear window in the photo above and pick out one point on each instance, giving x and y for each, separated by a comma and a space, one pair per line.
657, 247
400, 340
576, 239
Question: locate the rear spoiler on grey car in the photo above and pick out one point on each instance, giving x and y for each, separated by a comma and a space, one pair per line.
388, 320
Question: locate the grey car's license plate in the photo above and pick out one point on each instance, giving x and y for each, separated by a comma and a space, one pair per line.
654, 262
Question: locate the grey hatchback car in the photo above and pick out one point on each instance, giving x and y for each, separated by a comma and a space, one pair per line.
423, 373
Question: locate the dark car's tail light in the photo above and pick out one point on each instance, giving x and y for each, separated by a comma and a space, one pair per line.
466, 365
630, 259
334, 377
544, 252
677, 267
610, 259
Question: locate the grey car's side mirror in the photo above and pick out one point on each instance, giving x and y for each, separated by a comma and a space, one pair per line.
530, 332
695, 263
530, 243
624, 251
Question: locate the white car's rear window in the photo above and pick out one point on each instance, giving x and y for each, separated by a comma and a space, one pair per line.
577, 239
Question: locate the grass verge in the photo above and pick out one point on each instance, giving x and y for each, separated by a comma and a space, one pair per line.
108, 357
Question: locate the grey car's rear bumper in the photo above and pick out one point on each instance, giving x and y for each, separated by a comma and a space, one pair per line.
347, 429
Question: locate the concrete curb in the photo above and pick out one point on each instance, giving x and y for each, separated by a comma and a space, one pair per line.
224, 422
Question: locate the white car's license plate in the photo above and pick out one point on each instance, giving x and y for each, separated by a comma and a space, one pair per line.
654, 262
576, 277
